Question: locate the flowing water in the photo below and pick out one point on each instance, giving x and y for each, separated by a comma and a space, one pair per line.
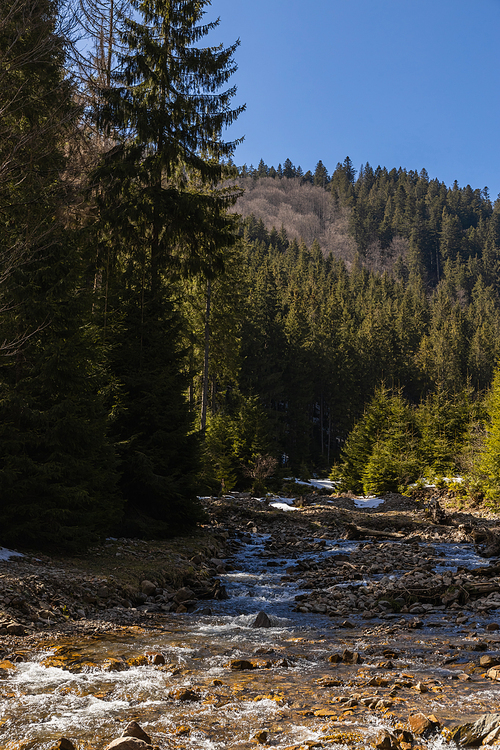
88, 689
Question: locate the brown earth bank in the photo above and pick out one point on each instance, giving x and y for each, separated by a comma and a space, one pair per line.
387, 638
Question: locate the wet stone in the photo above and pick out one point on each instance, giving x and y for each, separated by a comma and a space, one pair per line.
64, 744
421, 725
473, 733
186, 695
261, 736
133, 729
128, 743
148, 588
262, 621
385, 740
241, 664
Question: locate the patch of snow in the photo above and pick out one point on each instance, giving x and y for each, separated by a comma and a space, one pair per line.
287, 500
6, 554
327, 484
368, 502
317, 483
283, 505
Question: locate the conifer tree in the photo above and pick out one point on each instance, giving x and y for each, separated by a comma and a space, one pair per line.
57, 481
161, 211
487, 466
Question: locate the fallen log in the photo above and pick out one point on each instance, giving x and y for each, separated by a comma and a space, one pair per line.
360, 532
480, 589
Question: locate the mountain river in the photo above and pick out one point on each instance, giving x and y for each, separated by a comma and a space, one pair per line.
179, 679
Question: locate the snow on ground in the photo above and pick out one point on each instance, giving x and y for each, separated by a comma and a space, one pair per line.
368, 502
6, 554
282, 505
327, 484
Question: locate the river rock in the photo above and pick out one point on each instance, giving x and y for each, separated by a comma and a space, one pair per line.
494, 673
185, 694
148, 588
135, 730
261, 736
155, 658
241, 664
473, 733
420, 724
351, 657
64, 744
261, 621
129, 743
184, 595
493, 738
489, 661
14, 628
385, 740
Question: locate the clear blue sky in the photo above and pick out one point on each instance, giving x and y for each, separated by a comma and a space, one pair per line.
410, 83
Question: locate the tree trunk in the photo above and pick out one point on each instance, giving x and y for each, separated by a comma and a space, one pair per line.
206, 359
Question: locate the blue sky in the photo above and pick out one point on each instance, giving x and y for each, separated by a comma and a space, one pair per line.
410, 83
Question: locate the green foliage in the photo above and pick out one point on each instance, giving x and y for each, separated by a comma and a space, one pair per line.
57, 465
487, 468
237, 447
443, 419
220, 469
380, 453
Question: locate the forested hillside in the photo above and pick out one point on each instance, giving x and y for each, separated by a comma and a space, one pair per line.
375, 289
395, 220
170, 327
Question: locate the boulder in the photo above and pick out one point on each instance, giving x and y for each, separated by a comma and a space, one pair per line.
157, 659
473, 733
14, 628
261, 737
183, 595
351, 657
489, 661
385, 740
134, 730
64, 744
422, 725
261, 621
129, 743
185, 695
493, 738
241, 664
148, 588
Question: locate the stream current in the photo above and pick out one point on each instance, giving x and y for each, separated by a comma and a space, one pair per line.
87, 689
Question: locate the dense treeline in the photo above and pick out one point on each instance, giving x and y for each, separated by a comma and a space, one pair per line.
153, 346
395, 220
318, 339
323, 331
109, 205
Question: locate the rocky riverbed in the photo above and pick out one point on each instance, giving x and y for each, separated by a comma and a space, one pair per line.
388, 637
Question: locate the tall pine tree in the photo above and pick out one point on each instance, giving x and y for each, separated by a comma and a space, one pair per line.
164, 217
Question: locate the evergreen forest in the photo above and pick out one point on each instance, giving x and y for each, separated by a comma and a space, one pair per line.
172, 325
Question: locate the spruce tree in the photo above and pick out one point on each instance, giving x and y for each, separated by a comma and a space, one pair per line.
163, 217
487, 466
